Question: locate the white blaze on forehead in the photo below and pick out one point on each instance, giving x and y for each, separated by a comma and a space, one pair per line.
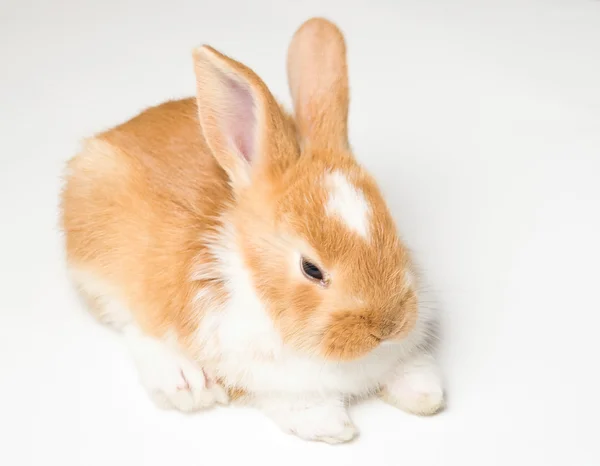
348, 203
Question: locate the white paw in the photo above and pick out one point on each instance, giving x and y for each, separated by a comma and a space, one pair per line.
185, 390
173, 381
324, 423
416, 389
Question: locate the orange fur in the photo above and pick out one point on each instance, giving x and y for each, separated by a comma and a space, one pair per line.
137, 199
141, 198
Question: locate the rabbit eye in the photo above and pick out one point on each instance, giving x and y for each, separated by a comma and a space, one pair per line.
311, 271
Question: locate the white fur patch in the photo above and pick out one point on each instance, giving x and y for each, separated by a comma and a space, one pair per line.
240, 329
347, 203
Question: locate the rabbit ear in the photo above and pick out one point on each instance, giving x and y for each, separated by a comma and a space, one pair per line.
318, 81
241, 121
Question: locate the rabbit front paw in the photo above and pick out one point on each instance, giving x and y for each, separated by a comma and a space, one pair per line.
172, 380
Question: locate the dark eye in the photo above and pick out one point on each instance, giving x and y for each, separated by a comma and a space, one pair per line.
311, 270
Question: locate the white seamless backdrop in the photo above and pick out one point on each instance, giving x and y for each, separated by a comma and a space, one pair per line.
480, 119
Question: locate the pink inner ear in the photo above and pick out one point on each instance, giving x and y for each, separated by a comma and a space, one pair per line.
241, 120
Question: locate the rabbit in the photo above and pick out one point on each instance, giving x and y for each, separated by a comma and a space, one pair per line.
244, 254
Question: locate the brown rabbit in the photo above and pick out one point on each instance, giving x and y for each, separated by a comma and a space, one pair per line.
245, 253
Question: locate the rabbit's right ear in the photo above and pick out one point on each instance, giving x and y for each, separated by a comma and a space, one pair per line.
318, 81
242, 123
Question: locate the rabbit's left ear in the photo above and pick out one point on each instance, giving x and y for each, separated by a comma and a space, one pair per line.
318, 81
242, 123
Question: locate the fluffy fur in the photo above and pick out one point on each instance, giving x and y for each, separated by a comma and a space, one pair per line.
186, 227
